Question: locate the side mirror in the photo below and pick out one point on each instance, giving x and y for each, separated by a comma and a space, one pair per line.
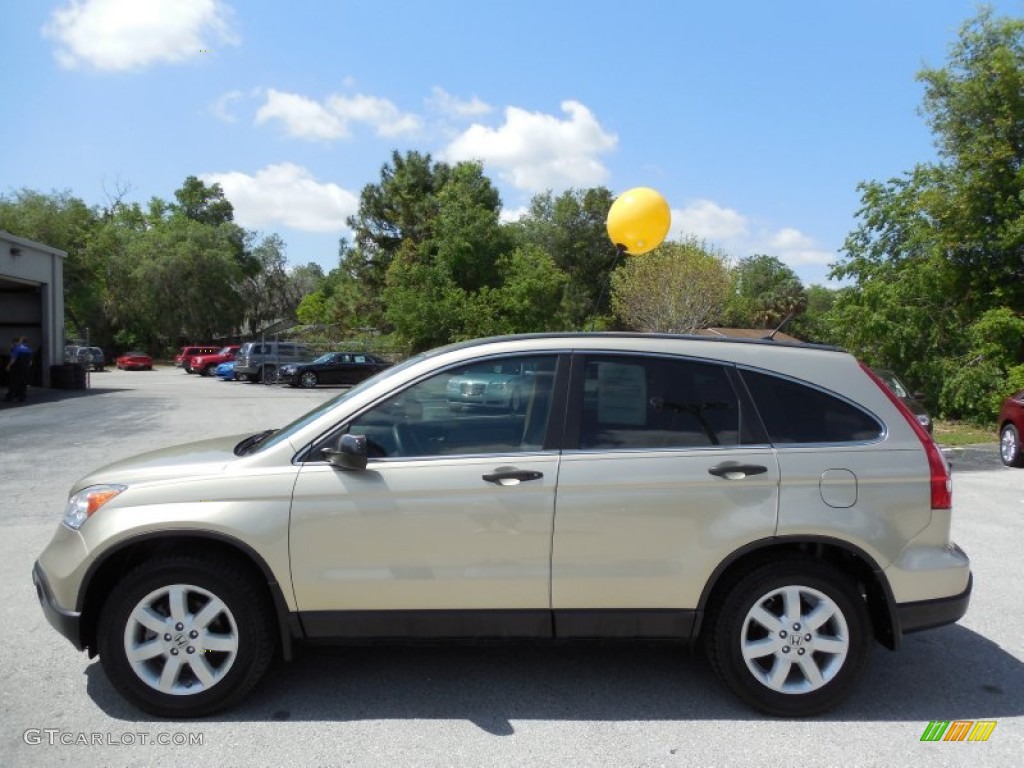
350, 454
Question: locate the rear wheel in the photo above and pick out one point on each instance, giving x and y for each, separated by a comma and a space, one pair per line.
1009, 447
185, 636
791, 638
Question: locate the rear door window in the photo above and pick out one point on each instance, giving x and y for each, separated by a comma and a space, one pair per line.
634, 402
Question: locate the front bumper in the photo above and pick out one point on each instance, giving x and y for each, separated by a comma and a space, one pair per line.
68, 623
927, 614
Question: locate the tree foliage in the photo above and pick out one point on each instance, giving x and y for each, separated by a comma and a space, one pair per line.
765, 292
571, 229
679, 287
939, 248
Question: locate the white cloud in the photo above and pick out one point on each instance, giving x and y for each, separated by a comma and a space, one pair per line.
709, 221
286, 194
304, 118
797, 249
221, 108
443, 102
533, 151
733, 232
509, 215
132, 34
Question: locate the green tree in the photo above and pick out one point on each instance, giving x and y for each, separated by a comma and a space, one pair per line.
765, 292
679, 287
942, 245
202, 203
264, 288
813, 324
398, 211
571, 229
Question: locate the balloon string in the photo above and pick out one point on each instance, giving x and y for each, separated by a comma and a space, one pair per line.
619, 250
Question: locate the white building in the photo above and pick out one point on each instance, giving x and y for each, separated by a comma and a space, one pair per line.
32, 302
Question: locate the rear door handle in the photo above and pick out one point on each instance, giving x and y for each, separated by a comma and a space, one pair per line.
512, 476
733, 471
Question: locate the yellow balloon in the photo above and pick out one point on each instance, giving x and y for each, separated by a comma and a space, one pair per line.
638, 220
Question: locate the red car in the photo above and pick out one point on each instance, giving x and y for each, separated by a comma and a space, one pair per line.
205, 364
183, 358
135, 361
1011, 427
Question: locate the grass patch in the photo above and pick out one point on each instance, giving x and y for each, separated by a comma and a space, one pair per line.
959, 433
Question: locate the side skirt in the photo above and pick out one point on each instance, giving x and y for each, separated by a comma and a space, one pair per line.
668, 624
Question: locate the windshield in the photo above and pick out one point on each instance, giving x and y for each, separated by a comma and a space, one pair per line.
316, 413
225, 351
325, 358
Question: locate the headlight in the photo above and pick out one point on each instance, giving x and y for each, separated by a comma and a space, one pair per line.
83, 504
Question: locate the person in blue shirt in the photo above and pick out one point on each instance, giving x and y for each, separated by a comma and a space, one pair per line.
18, 369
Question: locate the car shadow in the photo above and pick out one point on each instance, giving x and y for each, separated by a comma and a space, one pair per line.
947, 673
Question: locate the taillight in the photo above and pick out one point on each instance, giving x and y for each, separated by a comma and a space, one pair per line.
938, 467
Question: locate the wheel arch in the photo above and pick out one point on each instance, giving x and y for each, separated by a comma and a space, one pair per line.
105, 572
851, 560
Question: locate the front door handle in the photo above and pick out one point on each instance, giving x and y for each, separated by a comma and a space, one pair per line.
733, 471
512, 476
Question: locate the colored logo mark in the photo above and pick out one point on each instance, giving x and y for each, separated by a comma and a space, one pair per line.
958, 730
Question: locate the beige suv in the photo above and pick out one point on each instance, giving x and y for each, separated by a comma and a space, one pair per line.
775, 502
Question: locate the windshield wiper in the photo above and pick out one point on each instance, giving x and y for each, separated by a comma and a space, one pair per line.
252, 441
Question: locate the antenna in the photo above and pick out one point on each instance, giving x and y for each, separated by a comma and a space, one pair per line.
786, 319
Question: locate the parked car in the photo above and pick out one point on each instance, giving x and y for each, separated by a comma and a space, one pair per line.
1011, 428
332, 368
78, 354
502, 385
135, 361
204, 364
184, 357
775, 502
99, 360
259, 360
912, 401
225, 371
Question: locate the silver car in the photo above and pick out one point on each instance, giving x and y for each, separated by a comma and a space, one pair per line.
776, 503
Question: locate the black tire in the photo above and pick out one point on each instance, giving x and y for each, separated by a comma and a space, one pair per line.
837, 650
1010, 450
308, 380
207, 370
244, 623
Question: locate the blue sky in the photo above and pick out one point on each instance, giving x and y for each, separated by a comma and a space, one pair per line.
755, 120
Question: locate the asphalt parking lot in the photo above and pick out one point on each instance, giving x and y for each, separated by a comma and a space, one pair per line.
470, 705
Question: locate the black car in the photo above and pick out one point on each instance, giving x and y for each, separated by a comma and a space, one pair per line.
333, 368
912, 401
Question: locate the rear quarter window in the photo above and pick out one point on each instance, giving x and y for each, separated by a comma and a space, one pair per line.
794, 412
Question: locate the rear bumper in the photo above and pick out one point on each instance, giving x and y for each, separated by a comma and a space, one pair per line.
927, 614
68, 623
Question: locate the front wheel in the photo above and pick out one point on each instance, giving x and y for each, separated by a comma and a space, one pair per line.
1009, 447
185, 636
791, 639
308, 380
